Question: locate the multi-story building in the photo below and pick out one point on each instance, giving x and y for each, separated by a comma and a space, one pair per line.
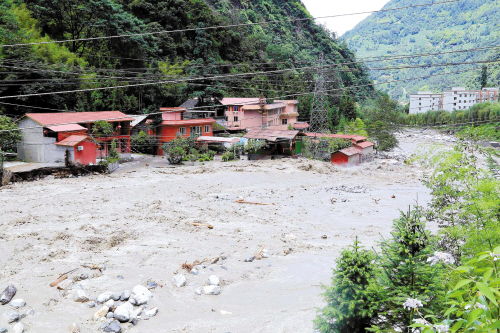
425, 101
458, 98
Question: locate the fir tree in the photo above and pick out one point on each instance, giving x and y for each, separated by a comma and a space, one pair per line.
404, 273
347, 309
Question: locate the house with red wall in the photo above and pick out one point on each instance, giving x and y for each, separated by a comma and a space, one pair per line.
347, 157
173, 125
42, 134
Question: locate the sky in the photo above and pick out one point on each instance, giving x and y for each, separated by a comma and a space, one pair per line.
334, 7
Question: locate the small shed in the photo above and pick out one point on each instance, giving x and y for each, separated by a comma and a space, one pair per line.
348, 157
81, 148
366, 149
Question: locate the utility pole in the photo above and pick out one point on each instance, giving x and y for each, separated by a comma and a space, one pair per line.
319, 113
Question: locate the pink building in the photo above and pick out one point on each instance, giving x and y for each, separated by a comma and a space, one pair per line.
256, 113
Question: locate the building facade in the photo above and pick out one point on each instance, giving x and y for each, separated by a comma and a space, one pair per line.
43, 133
256, 113
173, 125
458, 98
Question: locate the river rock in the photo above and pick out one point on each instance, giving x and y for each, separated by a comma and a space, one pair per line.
199, 267
152, 312
123, 311
17, 303
116, 296
213, 280
194, 271
113, 327
80, 296
74, 328
3, 329
135, 314
101, 313
141, 290
198, 291
104, 297
11, 316
211, 290
66, 284
132, 300
110, 315
179, 280
18, 328
91, 304
125, 295
8, 294
110, 303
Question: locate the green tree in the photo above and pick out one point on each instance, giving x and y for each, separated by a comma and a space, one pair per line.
348, 106
348, 309
102, 128
483, 77
8, 139
404, 273
143, 143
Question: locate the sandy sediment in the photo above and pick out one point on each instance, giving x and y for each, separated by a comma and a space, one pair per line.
138, 223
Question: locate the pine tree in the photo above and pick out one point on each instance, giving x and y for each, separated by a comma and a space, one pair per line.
404, 273
347, 309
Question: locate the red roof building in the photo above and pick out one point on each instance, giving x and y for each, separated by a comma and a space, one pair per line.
174, 125
45, 135
347, 157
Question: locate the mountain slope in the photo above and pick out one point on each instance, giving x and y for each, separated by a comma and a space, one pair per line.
87, 64
461, 25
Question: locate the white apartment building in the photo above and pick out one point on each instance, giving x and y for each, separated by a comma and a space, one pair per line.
425, 101
458, 98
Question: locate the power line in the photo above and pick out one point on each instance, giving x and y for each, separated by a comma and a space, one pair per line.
224, 26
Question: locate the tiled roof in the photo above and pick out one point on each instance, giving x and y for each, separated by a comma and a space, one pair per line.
67, 128
188, 122
365, 144
266, 107
350, 151
46, 119
271, 135
72, 140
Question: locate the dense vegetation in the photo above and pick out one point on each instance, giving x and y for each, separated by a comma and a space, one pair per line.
423, 282
288, 47
460, 25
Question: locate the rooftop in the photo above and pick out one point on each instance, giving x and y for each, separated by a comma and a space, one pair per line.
355, 137
66, 118
67, 128
188, 122
349, 151
300, 125
365, 144
271, 135
239, 101
72, 140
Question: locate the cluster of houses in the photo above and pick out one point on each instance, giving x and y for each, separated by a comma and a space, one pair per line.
71, 136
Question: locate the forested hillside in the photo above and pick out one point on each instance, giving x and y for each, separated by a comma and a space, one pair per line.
95, 63
465, 24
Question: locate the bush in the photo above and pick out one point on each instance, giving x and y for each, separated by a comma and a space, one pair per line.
113, 155
143, 143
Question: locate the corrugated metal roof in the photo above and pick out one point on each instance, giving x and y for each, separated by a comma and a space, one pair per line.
137, 119
46, 119
239, 101
189, 104
188, 122
218, 139
287, 101
67, 128
340, 136
271, 135
365, 144
72, 140
350, 151
301, 125
266, 107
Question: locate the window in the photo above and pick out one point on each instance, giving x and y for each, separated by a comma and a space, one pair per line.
226, 118
235, 118
182, 130
455, 98
460, 95
284, 121
195, 130
207, 129
236, 108
465, 95
419, 103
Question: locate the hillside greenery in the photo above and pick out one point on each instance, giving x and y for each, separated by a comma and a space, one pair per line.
465, 24
288, 47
